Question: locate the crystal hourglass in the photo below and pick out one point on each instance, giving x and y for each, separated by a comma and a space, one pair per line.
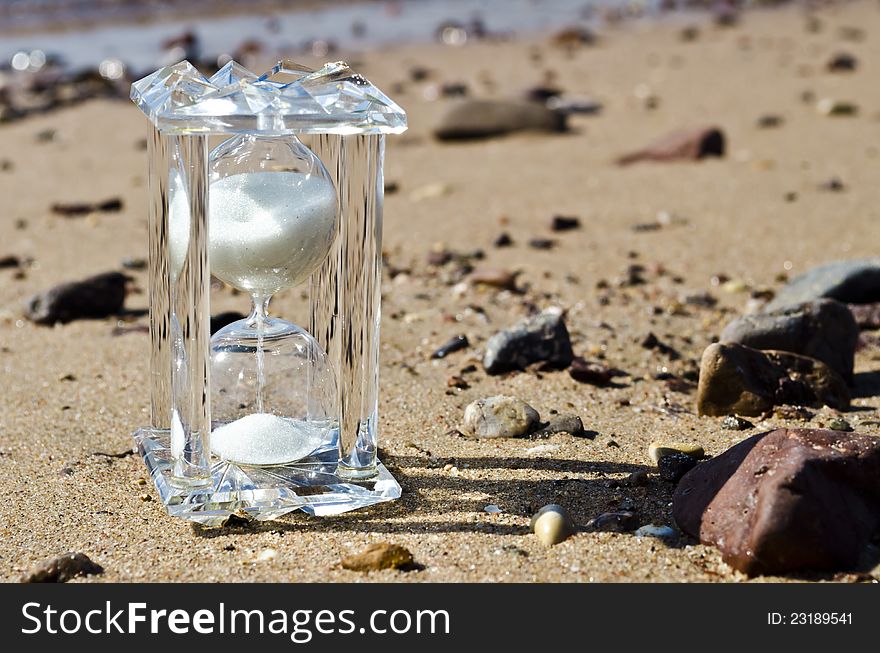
272, 221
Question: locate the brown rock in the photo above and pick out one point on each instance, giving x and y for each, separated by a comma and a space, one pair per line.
380, 555
62, 569
471, 119
735, 379
682, 145
495, 278
785, 501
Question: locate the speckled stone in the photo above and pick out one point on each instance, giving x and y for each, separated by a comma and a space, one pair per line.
501, 416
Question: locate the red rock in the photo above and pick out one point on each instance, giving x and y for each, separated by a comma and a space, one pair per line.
789, 500
682, 145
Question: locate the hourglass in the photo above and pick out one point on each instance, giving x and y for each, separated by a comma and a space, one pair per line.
265, 416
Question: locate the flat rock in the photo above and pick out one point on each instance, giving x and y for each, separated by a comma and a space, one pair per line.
541, 338
472, 119
501, 416
851, 282
785, 501
658, 449
96, 297
621, 521
380, 555
62, 569
690, 144
561, 423
735, 379
823, 329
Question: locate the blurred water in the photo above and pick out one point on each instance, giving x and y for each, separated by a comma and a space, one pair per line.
139, 45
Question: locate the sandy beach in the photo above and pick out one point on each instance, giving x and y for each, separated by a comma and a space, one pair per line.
73, 394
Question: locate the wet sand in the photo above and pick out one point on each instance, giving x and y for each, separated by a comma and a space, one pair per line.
72, 393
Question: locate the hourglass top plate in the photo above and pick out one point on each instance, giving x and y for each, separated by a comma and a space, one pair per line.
287, 99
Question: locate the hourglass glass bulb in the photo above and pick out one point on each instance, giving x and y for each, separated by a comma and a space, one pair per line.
272, 212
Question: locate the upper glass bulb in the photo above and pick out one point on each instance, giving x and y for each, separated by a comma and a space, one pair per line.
272, 211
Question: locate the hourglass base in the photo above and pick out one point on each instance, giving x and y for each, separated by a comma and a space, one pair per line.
313, 485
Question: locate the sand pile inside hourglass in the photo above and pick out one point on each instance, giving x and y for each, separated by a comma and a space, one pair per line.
268, 231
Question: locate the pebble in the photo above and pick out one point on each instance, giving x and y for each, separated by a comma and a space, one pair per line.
96, 297
839, 424
551, 525
62, 569
770, 121
474, 119
492, 509
541, 338
675, 465
842, 62
542, 243
855, 281
832, 107
735, 379
503, 240
615, 522
134, 263
380, 555
495, 278
736, 423
456, 343
823, 329
266, 555
683, 145
653, 530
561, 423
501, 416
659, 449
584, 371
637, 478
71, 210
564, 223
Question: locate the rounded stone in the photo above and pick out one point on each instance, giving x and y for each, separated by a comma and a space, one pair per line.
552, 527
500, 416
658, 449
550, 507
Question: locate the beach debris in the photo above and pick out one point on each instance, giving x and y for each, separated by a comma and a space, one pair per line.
736, 423
769, 121
564, 223
380, 555
674, 465
223, 319
823, 329
690, 144
659, 449
501, 416
134, 263
495, 278
573, 37
78, 209
785, 501
621, 521
473, 119
867, 316
9, 261
651, 341
551, 525
655, 530
854, 281
99, 296
839, 424
584, 371
560, 423
503, 240
540, 338
62, 569
454, 344
542, 243
735, 379
831, 107
841, 62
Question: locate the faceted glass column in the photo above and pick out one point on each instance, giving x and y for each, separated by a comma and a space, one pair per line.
346, 294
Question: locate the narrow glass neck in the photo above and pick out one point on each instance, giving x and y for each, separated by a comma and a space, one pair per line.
259, 309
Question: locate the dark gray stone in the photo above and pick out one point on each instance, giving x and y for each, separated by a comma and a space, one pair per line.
471, 119
851, 282
541, 338
96, 297
823, 329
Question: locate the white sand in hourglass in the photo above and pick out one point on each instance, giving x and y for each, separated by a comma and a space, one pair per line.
267, 231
